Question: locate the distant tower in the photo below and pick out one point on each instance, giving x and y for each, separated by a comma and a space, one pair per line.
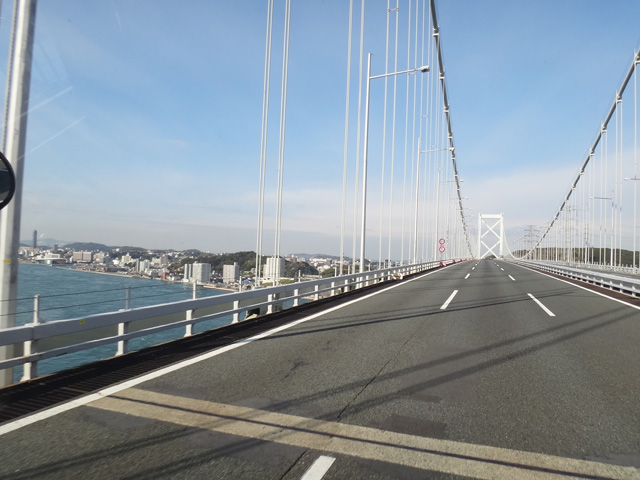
35, 239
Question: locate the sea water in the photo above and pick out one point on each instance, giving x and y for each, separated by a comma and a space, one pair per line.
68, 293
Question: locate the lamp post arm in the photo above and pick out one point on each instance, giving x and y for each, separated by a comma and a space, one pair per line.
423, 69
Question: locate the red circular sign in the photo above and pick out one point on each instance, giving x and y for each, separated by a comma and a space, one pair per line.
441, 241
441, 249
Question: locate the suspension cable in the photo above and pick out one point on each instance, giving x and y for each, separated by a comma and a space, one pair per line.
593, 147
263, 135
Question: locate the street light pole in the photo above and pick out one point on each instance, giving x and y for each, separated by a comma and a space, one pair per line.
363, 225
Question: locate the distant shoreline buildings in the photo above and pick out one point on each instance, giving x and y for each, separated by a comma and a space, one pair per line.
180, 266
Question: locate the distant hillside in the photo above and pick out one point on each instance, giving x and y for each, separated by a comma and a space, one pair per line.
87, 246
130, 249
42, 242
291, 269
246, 261
315, 255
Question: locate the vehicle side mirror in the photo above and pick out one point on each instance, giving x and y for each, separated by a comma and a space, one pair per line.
7, 181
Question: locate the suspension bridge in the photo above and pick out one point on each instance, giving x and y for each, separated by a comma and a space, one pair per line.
440, 349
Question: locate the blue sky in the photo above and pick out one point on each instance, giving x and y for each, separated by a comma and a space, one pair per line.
145, 121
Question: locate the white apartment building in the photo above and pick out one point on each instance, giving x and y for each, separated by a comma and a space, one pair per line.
83, 257
231, 273
201, 273
143, 265
274, 269
188, 272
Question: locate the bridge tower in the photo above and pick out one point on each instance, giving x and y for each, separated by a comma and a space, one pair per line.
494, 220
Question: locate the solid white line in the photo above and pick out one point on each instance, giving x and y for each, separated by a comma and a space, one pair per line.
318, 468
467, 276
512, 278
549, 312
80, 401
583, 288
446, 304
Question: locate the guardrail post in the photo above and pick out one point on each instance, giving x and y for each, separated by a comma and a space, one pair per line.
236, 315
270, 298
316, 296
31, 346
333, 288
188, 331
296, 299
123, 328
123, 345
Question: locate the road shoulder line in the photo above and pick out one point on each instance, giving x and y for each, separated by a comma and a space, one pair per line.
579, 286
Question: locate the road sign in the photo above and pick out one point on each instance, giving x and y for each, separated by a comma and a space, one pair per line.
442, 249
441, 241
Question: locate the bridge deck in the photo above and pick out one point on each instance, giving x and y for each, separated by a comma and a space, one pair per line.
409, 382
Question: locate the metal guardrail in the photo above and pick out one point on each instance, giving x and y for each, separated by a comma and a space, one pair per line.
77, 334
627, 285
615, 268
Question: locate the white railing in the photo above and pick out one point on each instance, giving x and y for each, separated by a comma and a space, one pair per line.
627, 285
38, 341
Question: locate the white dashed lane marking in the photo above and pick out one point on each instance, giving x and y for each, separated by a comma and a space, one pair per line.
549, 312
446, 304
318, 468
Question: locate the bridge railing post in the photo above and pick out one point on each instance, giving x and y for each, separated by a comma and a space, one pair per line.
31, 346
316, 297
272, 307
333, 288
123, 328
236, 314
123, 345
188, 330
296, 297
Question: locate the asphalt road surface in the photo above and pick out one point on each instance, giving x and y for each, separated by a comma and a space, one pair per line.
482, 369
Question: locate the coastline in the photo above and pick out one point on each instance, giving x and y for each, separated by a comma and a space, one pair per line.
71, 268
